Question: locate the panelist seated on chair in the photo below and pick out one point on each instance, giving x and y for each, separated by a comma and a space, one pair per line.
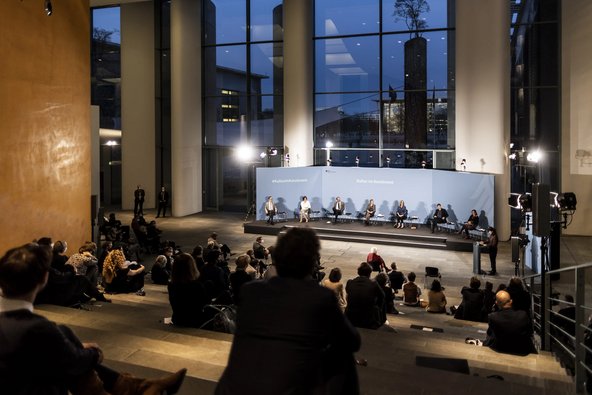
305, 209
440, 217
370, 211
471, 223
401, 215
338, 208
270, 210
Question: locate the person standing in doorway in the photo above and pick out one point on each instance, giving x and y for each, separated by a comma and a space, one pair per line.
163, 201
139, 201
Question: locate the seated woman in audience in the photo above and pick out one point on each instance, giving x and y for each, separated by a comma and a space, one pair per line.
389, 295
240, 277
471, 223
376, 261
333, 282
411, 292
471, 307
370, 211
121, 276
436, 298
305, 208
187, 295
85, 263
161, 271
400, 215
59, 257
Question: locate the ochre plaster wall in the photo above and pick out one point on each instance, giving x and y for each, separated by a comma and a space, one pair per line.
44, 122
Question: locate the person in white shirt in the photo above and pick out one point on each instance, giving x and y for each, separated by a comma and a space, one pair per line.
304, 209
270, 210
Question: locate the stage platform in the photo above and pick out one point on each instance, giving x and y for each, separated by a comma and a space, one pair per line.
377, 233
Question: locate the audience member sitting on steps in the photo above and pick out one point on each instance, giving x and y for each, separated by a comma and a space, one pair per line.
436, 298
411, 292
333, 282
259, 249
38, 356
65, 288
520, 296
471, 307
302, 342
161, 271
213, 241
510, 330
376, 261
389, 295
214, 279
122, 276
59, 257
85, 263
187, 295
396, 278
197, 255
364, 299
239, 277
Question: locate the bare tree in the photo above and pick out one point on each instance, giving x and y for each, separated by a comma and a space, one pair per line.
410, 11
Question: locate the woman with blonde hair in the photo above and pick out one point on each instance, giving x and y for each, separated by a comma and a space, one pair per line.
121, 276
401, 215
333, 282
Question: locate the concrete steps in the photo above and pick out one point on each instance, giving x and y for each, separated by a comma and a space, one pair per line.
133, 337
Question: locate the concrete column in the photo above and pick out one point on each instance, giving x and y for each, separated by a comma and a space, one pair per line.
483, 96
576, 118
137, 102
186, 107
298, 84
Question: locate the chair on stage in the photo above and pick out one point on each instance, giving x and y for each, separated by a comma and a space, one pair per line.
431, 271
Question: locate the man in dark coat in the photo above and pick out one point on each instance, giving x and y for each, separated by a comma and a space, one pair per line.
440, 217
163, 202
139, 195
364, 299
293, 327
510, 331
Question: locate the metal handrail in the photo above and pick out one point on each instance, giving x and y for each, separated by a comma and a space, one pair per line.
573, 350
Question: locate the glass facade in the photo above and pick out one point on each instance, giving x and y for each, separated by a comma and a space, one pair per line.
106, 94
243, 93
384, 82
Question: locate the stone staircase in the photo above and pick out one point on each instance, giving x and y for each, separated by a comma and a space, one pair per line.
134, 339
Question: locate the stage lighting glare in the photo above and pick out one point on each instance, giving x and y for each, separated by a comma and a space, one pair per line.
245, 153
329, 144
513, 200
566, 201
262, 155
534, 156
512, 156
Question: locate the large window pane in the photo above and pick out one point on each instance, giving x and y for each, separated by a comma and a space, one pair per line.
225, 120
342, 17
347, 120
266, 20
434, 16
267, 67
229, 64
267, 120
347, 64
225, 21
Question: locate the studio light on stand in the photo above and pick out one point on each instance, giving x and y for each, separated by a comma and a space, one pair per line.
287, 160
388, 161
357, 161
328, 146
463, 165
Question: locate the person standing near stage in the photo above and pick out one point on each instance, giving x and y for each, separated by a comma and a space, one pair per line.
139, 195
370, 210
491, 243
270, 210
163, 202
439, 217
338, 208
